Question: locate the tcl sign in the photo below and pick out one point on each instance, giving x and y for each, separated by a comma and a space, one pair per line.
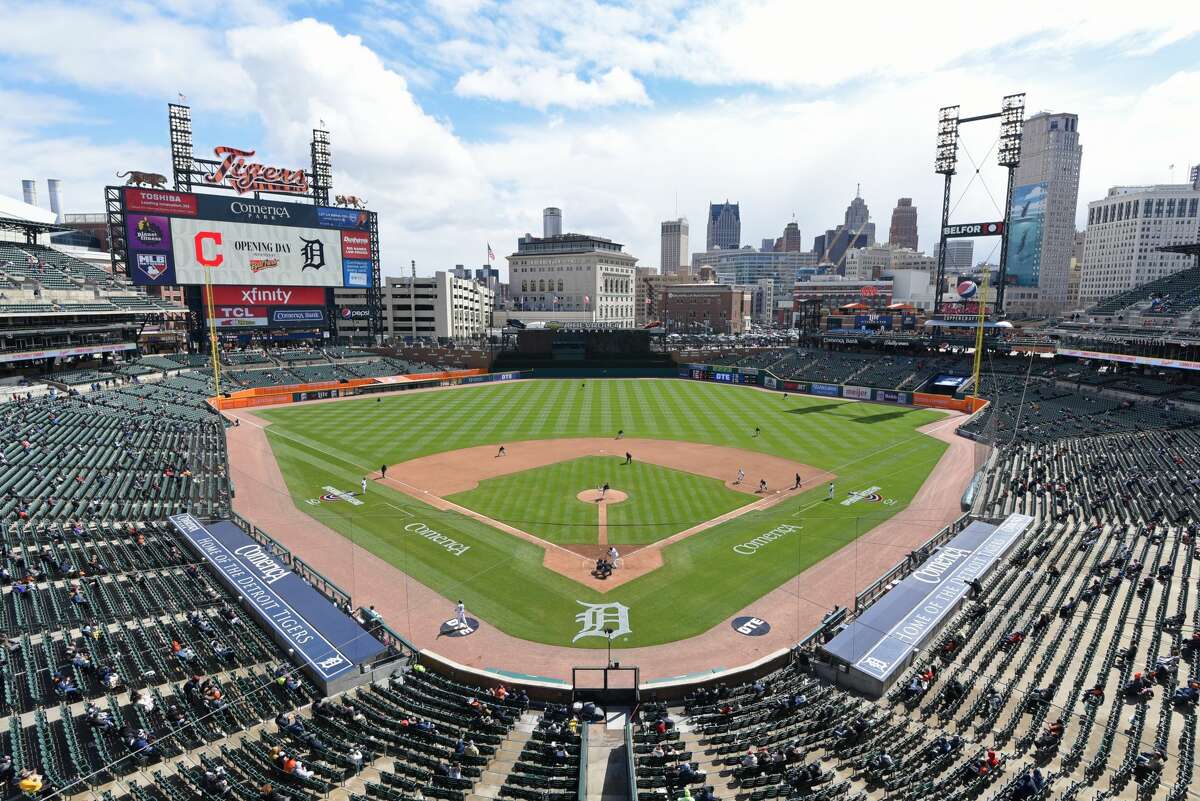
241, 312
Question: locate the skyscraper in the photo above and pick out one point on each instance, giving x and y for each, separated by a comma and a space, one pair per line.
791, 238
960, 256
674, 246
903, 231
858, 218
724, 226
1042, 219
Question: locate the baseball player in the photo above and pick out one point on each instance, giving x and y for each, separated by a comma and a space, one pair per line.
832, 489
613, 556
363, 484
460, 615
741, 475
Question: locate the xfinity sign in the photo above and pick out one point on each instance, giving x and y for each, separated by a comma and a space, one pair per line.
973, 229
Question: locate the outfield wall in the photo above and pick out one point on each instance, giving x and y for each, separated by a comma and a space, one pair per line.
764, 378
323, 390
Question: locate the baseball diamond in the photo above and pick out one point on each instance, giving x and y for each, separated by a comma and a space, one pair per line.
525, 548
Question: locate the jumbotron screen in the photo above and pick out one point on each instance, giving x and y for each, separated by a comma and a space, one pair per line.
178, 237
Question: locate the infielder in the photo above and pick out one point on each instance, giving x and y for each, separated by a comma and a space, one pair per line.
741, 475
832, 489
364, 485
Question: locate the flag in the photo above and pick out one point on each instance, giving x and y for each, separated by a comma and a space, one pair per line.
491, 255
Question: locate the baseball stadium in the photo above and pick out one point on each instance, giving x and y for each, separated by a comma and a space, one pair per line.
259, 546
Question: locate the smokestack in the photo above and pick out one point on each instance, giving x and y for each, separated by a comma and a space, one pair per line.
29, 191
551, 221
54, 186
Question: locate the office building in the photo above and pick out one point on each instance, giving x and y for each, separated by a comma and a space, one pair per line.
858, 219
706, 308
446, 307
1042, 218
649, 291
903, 230
876, 261
749, 266
674, 247
960, 256
575, 280
724, 226
1124, 232
790, 241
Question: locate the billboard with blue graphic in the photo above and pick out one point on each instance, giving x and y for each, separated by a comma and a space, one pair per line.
1025, 232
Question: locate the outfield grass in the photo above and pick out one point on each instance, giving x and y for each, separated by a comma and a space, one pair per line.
703, 579
661, 501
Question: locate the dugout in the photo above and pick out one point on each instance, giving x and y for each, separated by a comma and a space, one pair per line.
872, 651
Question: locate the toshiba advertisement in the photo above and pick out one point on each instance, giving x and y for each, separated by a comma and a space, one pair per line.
273, 307
188, 239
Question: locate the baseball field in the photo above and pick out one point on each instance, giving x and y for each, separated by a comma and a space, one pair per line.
515, 534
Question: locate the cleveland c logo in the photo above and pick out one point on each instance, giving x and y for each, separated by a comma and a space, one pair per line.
208, 261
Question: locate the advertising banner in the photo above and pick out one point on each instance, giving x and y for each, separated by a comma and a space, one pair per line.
268, 296
289, 316
356, 313
176, 204
1028, 215
245, 253
769, 382
891, 396
856, 393
829, 390
795, 386
176, 237
881, 321
328, 641
1126, 358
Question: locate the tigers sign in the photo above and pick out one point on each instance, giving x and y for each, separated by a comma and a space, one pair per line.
245, 177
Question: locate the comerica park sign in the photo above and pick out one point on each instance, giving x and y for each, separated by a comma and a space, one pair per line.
973, 229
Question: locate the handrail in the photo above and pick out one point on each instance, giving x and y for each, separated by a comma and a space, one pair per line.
583, 762
385, 633
905, 566
630, 762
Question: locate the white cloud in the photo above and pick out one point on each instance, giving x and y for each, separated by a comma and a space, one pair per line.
137, 50
543, 87
783, 43
618, 172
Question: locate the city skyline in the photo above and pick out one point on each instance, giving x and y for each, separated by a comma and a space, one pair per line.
458, 122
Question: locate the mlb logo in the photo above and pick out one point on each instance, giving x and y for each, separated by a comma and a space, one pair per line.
152, 265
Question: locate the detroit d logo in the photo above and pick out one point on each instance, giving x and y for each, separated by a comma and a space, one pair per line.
313, 253
595, 618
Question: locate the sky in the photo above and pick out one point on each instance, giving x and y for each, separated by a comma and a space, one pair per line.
459, 120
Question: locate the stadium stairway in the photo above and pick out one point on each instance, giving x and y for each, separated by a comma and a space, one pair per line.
494, 776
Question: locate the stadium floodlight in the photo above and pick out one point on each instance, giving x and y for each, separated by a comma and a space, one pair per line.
946, 161
1012, 122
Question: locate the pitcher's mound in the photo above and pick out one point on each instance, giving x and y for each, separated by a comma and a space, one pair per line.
610, 497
